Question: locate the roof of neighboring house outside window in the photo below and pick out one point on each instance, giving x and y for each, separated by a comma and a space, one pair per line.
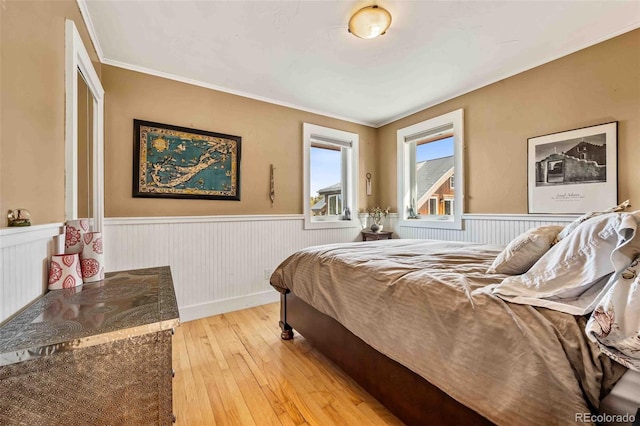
318, 206
336, 187
430, 172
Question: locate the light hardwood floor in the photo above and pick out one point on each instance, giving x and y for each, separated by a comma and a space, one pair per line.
233, 369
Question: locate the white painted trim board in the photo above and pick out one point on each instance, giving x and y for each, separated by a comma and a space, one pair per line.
193, 312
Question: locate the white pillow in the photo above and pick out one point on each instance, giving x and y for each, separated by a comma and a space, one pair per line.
571, 277
573, 225
524, 251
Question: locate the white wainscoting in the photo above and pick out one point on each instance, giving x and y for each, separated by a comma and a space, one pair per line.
222, 263
24, 256
218, 263
482, 228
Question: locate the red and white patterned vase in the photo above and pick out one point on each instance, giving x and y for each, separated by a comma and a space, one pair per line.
74, 231
64, 271
92, 257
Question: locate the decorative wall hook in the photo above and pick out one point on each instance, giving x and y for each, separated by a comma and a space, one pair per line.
368, 175
272, 187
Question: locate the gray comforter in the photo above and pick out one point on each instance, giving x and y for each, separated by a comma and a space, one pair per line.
422, 304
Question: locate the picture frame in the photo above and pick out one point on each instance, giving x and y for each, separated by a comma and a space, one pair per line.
574, 171
178, 162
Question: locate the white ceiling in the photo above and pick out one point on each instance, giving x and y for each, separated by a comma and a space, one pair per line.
299, 53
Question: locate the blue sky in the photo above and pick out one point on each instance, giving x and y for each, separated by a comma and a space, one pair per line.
325, 168
325, 163
437, 149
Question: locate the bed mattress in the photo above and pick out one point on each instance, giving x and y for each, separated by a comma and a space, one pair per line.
423, 304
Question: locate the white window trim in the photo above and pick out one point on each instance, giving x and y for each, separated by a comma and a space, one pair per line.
448, 200
404, 156
349, 176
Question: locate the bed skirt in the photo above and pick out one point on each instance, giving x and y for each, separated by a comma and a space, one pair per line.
410, 397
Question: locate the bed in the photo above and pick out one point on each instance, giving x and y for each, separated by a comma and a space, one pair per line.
416, 323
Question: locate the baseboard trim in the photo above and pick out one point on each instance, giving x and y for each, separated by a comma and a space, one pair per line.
194, 312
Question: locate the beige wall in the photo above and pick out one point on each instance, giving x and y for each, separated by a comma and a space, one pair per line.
593, 86
32, 109
271, 134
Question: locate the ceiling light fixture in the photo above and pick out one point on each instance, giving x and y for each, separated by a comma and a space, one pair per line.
370, 22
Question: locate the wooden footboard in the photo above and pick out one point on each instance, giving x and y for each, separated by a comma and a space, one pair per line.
410, 397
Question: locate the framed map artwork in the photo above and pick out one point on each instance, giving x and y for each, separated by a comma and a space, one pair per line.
177, 162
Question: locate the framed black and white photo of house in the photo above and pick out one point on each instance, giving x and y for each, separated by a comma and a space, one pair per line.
573, 171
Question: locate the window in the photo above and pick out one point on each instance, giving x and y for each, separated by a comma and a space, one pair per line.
448, 206
326, 180
335, 204
330, 170
430, 165
433, 205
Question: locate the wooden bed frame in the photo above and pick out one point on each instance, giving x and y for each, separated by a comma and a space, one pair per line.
407, 395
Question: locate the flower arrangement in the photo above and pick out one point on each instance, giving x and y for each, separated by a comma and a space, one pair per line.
377, 214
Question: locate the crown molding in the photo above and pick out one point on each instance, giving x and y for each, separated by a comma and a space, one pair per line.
86, 17
505, 76
193, 82
82, 4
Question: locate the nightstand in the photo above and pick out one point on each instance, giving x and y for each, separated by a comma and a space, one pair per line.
381, 235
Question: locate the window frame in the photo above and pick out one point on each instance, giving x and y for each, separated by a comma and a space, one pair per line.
407, 138
338, 201
436, 199
452, 202
348, 143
